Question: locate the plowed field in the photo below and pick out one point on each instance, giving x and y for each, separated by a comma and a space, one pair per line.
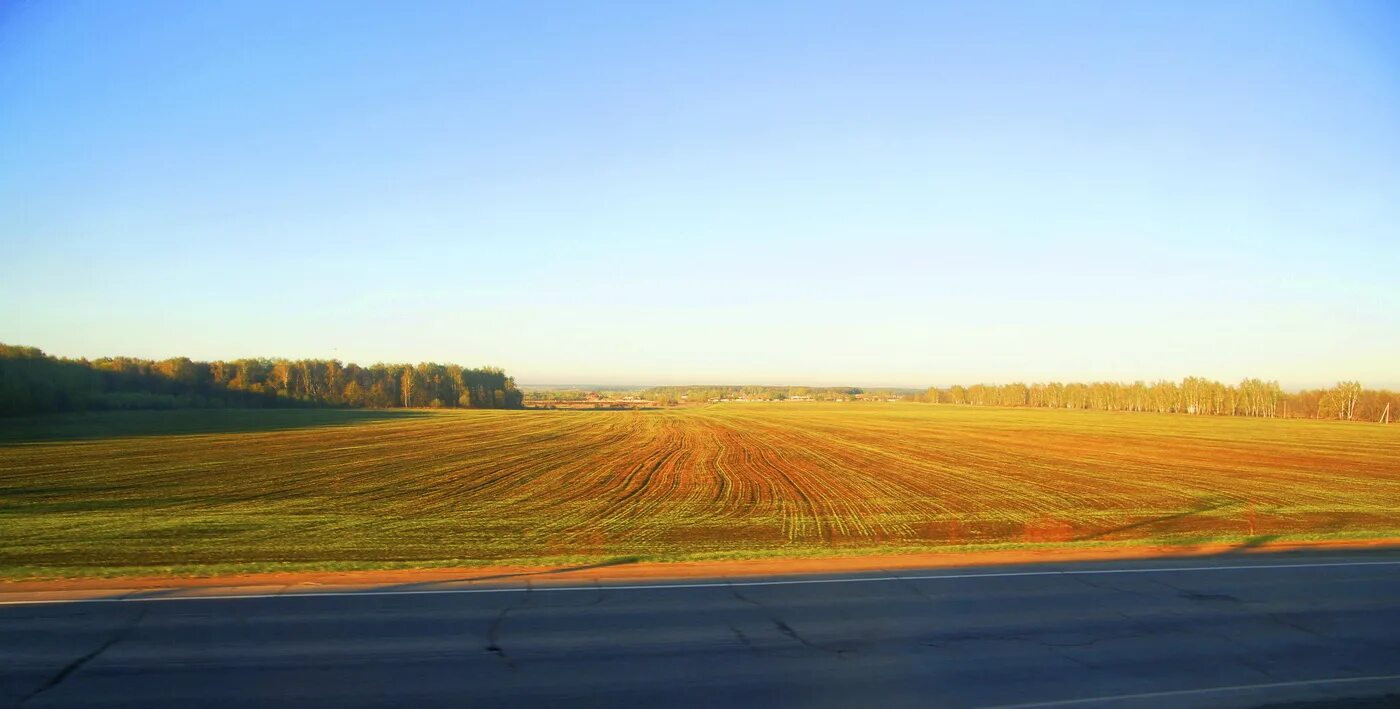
230, 490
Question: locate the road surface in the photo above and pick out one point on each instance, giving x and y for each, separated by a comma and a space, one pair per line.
1232, 630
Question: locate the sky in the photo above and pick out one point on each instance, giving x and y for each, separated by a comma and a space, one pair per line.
864, 193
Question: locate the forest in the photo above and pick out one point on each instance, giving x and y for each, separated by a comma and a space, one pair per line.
34, 382
1347, 400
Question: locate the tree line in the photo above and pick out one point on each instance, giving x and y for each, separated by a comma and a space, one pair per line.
700, 394
1347, 401
34, 382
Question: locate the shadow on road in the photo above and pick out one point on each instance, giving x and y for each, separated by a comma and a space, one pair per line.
1257, 547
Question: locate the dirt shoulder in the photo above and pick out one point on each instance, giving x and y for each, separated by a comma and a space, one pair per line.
641, 572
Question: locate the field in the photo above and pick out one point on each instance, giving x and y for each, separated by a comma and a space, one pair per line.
218, 491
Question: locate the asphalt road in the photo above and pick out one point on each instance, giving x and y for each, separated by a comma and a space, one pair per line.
1243, 630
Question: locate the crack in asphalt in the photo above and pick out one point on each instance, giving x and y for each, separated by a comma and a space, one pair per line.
1281, 620
1244, 661
67, 670
1057, 652
1138, 628
1239, 657
1191, 595
744, 639
493, 631
918, 591
910, 585
744, 598
1101, 586
782, 625
787, 630
1055, 648
1037, 640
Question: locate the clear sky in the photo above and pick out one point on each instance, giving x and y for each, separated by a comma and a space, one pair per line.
867, 193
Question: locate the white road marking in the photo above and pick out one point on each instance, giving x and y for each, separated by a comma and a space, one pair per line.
704, 584
1200, 692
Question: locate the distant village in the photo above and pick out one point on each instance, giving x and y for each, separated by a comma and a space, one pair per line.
798, 397
657, 397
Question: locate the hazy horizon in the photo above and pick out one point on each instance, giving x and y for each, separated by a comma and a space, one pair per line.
819, 193
683, 381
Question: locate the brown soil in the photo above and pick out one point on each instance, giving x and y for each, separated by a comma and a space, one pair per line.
401, 579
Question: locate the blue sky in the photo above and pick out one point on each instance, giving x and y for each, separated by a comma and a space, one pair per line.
872, 193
